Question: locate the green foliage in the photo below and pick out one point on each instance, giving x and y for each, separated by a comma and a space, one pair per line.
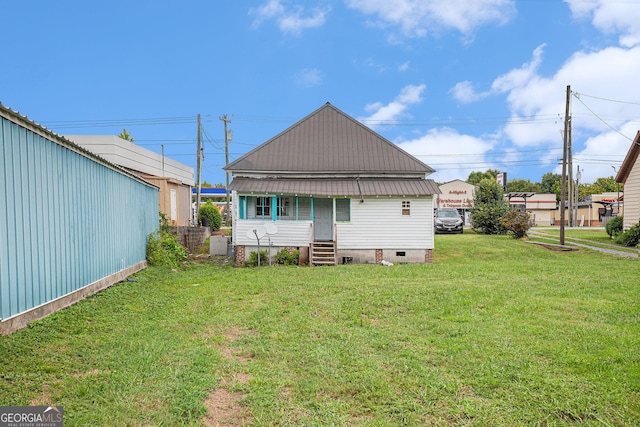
475, 177
164, 222
125, 135
631, 237
614, 226
285, 258
163, 249
489, 207
210, 214
253, 259
523, 185
517, 223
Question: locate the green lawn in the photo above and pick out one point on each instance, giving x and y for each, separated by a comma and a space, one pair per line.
496, 332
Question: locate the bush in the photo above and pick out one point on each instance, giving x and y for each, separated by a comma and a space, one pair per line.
209, 214
163, 249
614, 226
517, 223
253, 259
631, 237
285, 258
489, 207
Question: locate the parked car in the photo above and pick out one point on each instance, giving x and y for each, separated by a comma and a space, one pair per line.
448, 220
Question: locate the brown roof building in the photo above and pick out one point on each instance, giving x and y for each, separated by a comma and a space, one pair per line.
328, 178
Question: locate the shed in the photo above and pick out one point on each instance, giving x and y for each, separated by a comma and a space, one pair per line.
71, 223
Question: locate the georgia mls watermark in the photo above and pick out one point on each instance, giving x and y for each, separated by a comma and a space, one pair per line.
31, 416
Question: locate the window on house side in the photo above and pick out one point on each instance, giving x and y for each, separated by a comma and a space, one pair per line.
406, 207
343, 210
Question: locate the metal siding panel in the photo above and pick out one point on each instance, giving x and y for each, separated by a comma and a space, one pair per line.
6, 174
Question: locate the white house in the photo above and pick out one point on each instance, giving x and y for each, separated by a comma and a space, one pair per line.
337, 191
629, 175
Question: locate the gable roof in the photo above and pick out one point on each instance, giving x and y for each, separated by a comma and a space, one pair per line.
329, 140
629, 160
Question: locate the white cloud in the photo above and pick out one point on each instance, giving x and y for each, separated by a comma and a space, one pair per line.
290, 19
309, 77
404, 66
465, 93
416, 18
451, 154
600, 82
611, 17
389, 113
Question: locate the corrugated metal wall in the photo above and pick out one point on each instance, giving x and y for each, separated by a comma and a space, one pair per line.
66, 220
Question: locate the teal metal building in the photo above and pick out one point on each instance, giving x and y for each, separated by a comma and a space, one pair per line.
71, 223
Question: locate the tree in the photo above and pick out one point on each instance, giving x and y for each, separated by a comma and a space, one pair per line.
552, 183
523, 185
210, 216
125, 135
489, 207
475, 177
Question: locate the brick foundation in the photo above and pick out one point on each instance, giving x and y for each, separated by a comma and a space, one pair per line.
428, 256
379, 253
240, 255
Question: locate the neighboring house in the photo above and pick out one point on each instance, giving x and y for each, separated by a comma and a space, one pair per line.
71, 223
459, 195
336, 190
173, 178
629, 175
541, 206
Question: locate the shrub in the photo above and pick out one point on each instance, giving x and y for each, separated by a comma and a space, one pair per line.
163, 249
253, 259
489, 207
631, 237
209, 214
285, 258
517, 223
614, 226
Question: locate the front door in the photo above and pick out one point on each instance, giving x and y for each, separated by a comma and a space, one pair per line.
322, 219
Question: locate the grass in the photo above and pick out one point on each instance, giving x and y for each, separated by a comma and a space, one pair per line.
596, 237
495, 332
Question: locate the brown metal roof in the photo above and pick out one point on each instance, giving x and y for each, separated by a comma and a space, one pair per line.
629, 160
337, 187
328, 140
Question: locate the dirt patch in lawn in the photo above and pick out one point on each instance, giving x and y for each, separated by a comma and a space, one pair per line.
225, 406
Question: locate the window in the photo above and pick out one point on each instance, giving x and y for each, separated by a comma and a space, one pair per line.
263, 206
283, 208
343, 210
406, 207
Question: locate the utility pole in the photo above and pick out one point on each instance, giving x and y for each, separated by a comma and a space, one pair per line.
199, 172
570, 189
225, 120
563, 192
577, 191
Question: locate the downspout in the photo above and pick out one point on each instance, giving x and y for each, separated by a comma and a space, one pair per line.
360, 190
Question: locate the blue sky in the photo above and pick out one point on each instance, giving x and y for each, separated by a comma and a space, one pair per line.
462, 85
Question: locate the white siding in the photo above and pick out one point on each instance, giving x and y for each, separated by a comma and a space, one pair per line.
632, 197
378, 223
290, 233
